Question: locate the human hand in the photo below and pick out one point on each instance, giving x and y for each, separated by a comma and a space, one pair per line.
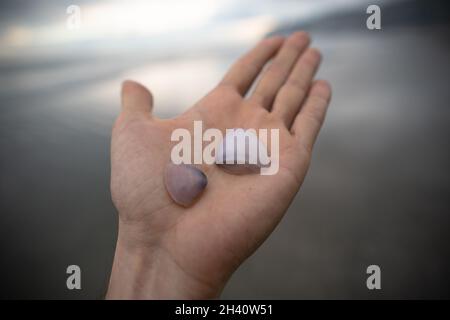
167, 251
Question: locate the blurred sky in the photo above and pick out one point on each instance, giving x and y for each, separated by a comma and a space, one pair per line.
114, 24
161, 43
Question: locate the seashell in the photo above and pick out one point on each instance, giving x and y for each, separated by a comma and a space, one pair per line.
184, 183
241, 152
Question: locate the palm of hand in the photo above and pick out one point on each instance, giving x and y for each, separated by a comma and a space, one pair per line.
235, 213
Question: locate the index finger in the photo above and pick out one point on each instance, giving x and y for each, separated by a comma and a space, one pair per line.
245, 70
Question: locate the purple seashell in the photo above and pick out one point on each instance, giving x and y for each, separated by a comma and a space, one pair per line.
184, 183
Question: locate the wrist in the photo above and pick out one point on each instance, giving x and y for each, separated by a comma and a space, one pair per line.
147, 271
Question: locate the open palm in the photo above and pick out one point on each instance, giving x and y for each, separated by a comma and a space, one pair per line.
199, 247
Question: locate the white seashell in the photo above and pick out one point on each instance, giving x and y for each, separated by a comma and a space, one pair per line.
241, 152
184, 183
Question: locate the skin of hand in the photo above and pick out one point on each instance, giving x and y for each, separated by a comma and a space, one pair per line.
165, 251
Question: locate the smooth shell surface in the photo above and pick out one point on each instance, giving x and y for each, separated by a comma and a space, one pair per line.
234, 153
184, 183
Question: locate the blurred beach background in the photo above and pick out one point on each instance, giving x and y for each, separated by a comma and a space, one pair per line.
378, 188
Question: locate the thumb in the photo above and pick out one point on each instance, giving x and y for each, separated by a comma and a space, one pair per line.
136, 99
